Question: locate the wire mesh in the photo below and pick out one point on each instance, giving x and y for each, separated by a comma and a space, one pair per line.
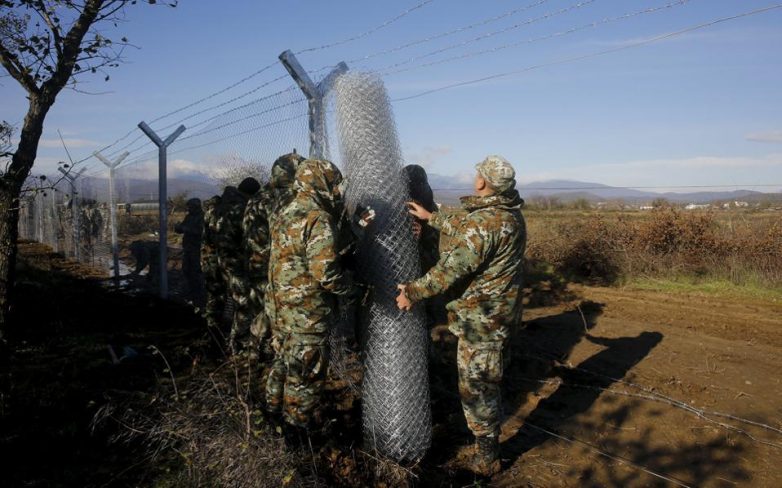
396, 407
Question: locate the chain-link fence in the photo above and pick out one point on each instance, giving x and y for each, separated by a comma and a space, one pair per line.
396, 407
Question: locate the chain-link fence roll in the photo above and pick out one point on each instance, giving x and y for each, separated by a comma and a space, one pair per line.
396, 407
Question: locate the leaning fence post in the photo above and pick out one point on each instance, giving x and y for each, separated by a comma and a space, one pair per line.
113, 208
75, 211
315, 94
162, 197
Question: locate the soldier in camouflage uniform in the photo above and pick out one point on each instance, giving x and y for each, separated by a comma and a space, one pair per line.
489, 256
260, 211
306, 276
91, 223
216, 288
192, 229
231, 257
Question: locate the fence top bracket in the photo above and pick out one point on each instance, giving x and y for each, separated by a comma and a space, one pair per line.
312, 91
146, 129
112, 165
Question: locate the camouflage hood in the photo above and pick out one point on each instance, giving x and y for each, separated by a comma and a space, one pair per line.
420, 191
509, 199
232, 196
320, 180
283, 171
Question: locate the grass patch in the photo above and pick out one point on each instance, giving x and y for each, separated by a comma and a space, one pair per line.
717, 287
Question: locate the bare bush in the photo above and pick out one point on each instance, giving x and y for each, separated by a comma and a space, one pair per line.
665, 242
234, 169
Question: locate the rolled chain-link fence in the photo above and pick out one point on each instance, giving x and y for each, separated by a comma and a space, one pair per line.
396, 406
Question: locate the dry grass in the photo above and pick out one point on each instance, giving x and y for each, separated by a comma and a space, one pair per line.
213, 433
611, 247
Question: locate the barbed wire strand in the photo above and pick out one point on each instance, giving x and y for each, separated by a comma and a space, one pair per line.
573, 30
491, 34
613, 457
263, 70
582, 57
368, 32
440, 35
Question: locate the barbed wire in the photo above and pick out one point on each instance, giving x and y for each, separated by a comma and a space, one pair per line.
257, 73
368, 32
441, 35
491, 34
582, 57
546, 37
190, 127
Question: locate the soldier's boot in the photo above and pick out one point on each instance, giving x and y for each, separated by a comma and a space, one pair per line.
486, 461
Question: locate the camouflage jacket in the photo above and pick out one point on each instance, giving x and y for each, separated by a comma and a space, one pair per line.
209, 236
230, 242
305, 270
255, 229
486, 249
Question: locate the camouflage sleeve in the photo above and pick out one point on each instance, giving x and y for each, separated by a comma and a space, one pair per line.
437, 220
464, 258
323, 257
255, 227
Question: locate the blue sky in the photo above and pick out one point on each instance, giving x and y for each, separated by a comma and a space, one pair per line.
699, 109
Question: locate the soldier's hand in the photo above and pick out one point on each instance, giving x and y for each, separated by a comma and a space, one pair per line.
417, 229
418, 211
367, 217
402, 301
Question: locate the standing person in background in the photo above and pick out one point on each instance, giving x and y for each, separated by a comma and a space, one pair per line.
306, 276
488, 253
192, 228
216, 287
428, 237
231, 257
91, 222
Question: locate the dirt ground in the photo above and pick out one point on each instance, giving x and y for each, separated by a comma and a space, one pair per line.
605, 387
627, 401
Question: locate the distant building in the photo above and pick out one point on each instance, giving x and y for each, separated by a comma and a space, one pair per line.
697, 206
646, 207
741, 204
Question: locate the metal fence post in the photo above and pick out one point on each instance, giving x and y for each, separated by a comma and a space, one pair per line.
75, 211
315, 94
113, 208
162, 197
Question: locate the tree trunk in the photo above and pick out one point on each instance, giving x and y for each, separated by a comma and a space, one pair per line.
9, 219
11, 184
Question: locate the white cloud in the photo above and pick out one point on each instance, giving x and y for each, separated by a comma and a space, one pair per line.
177, 168
773, 136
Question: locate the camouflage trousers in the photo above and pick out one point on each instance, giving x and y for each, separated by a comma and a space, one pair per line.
297, 377
240, 324
256, 309
480, 366
216, 294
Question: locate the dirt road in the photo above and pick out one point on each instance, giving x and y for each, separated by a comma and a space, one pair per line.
625, 390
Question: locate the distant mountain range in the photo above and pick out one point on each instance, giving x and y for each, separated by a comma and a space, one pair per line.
447, 190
